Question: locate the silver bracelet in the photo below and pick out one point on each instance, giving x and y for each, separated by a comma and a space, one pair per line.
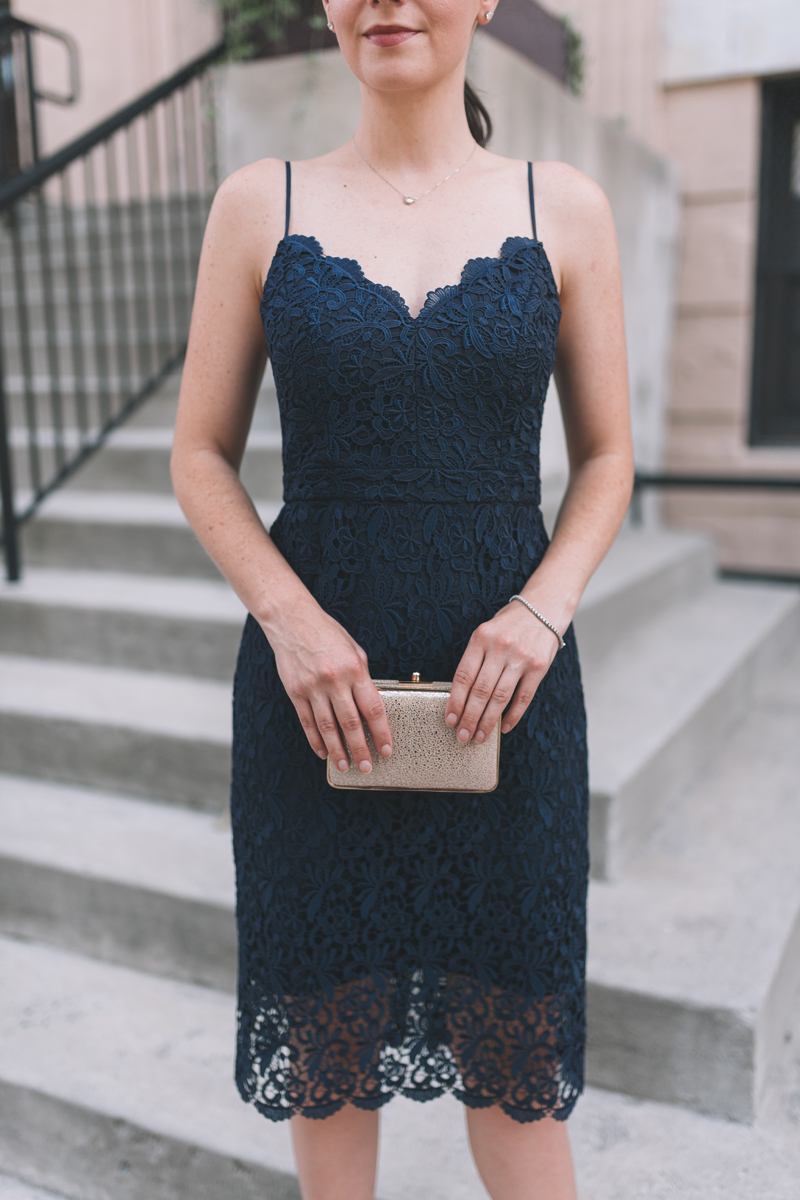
544, 620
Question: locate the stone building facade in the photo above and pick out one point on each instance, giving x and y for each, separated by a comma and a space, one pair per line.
715, 86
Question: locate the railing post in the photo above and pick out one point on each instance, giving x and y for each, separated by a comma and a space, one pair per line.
10, 531
636, 503
9, 134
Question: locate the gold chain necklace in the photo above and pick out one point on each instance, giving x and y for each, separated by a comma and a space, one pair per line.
413, 199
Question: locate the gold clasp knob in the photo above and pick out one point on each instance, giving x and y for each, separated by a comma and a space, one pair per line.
415, 677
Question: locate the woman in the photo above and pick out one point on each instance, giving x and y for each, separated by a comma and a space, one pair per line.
406, 942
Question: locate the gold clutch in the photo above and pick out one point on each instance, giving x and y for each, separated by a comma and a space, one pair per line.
426, 754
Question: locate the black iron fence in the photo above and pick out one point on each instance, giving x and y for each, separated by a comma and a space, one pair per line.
99, 247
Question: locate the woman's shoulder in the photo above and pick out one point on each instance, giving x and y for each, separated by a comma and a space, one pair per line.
559, 187
247, 217
259, 186
259, 189
567, 184
569, 196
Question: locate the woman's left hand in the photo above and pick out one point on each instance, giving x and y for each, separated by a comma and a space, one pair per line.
500, 670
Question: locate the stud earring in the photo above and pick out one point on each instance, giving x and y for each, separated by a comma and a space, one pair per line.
489, 16
330, 26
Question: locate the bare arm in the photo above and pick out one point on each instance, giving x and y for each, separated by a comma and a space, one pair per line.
508, 657
324, 670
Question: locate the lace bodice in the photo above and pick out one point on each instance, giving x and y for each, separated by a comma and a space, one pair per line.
386, 406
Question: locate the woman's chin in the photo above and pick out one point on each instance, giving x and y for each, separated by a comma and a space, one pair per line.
394, 77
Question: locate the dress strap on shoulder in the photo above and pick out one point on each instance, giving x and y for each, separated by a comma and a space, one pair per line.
530, 193
288, 197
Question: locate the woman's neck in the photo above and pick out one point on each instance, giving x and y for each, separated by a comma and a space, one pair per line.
415, 132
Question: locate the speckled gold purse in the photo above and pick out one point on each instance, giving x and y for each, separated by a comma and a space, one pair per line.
426, 754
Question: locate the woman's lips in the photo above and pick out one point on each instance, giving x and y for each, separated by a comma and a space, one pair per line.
389, 35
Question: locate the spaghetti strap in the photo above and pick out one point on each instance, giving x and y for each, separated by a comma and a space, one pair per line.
530, 193
289, 197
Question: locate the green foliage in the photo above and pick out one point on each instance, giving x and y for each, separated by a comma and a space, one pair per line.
573, 47
246, 19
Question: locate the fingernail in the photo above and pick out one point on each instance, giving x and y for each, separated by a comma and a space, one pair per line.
343, 764
451, 718
505, 728
365, 766
386, 751
480, 736
463, 735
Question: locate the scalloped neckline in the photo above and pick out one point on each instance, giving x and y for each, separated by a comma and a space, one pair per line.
472, 266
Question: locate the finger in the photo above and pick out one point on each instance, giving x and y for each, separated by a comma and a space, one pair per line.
330, 733
479, 696
526, 690
463, 679
371, 707
501, 697
352, 727
306, 714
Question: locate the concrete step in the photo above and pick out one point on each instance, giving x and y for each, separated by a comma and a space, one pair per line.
663, 700
117, 1084
643, 574
118, 531
144, 885
190, 626
193, 626
690, 670
155, 735
137, 460
160, 409
157, 412
102, 353
15, 1189
694, 960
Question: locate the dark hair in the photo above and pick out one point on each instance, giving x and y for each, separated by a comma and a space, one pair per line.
478, 119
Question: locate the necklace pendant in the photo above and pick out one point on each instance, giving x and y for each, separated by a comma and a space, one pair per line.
408, 199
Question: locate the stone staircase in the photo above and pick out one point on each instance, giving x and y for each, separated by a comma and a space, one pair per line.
117, 934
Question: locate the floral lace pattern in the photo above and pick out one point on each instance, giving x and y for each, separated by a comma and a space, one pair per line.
410, 943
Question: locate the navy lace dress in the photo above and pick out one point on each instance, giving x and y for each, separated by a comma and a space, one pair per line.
400, 942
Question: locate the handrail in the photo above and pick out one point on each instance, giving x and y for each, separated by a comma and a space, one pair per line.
689, 480
74, 68
18, 24
656, 479
643, 479
99, 245
18, 187
20, 88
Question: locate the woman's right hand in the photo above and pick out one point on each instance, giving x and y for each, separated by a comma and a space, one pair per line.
326, 675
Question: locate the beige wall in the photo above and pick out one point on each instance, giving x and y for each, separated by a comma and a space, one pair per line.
712, 131
726, 39
621, 47
125, 46
665, 68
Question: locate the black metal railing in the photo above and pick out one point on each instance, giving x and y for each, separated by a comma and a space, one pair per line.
99, 246
21, 92
644, 480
